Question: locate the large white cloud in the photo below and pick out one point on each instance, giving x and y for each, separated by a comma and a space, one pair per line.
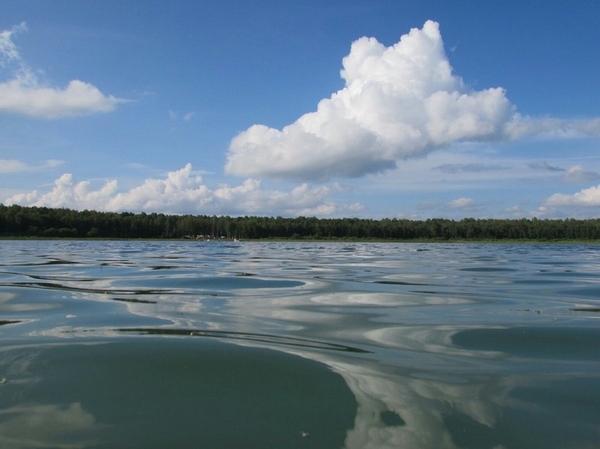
24, 94
398, 102
183, 191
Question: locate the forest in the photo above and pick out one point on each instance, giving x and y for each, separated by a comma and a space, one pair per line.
41, 222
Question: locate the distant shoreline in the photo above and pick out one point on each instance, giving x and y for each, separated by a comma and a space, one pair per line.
309, 240
42, 222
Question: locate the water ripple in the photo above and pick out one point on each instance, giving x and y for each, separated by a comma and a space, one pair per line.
245, 336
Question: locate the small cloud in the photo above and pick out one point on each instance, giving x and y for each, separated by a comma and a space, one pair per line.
25, 94
8, 50
355, 207
54, 163
515, 212
468, 168
8, 166
12, 166
186, 117
326, 209
544, 166
26, 97
137, 166
462, 203
577, 173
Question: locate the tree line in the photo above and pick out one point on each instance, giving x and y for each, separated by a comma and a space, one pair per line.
19, 221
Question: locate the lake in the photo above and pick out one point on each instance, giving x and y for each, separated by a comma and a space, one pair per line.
186, 344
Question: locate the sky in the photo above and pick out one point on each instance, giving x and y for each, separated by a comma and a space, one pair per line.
374, 109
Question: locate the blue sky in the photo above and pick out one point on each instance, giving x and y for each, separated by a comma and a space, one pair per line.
407, 109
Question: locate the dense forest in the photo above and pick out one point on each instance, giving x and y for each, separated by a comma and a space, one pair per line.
18, 221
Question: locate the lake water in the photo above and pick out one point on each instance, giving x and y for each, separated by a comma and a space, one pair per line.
143, 344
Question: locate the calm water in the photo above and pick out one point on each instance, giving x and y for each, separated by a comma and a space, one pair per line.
298, 345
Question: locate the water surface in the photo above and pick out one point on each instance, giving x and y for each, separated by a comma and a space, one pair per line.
124, 344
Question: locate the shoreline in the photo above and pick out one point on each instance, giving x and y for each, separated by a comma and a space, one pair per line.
315, 240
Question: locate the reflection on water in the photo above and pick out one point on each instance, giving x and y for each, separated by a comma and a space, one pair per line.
172, 393
44, 426
321, 345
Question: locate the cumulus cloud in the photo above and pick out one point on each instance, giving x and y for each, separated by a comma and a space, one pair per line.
27, 97
184, 191
67, 193
589, 197
398, 102
25, 94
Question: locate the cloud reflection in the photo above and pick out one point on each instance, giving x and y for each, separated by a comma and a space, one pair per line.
427, 347
45, 426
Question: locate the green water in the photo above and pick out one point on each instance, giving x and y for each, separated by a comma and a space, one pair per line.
279, 345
